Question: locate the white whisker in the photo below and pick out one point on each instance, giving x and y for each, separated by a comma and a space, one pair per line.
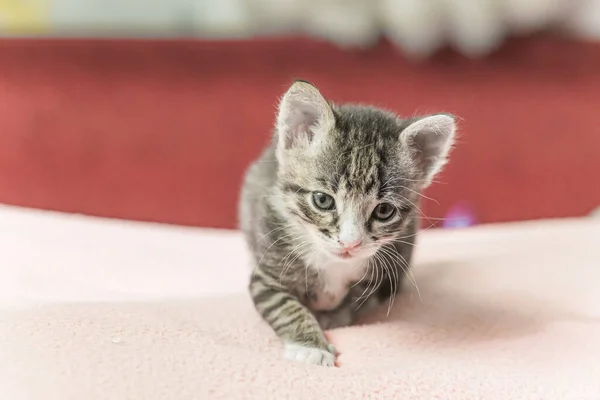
403, 264
265, 252
301, 248
391, 274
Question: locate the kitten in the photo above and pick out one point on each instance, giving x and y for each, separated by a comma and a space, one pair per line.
329, 212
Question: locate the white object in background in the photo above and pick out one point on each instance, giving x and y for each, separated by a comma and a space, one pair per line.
230, 18
117, 17
348, 23
276, 16
417, 26
476, 27
584, 20
525, 17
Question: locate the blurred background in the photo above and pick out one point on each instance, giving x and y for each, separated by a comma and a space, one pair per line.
152, 109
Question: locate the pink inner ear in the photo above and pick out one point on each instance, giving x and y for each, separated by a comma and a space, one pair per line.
300, 121
431, 144
431, 148
431, 137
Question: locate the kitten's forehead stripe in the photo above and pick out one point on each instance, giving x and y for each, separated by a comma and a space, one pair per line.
365, 140
382, 181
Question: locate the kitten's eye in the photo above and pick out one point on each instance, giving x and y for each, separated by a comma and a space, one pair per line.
323, 201
384, 212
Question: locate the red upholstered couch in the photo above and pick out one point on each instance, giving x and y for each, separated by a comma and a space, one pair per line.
162, 131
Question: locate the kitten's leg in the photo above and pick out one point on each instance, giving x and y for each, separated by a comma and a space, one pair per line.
303, 338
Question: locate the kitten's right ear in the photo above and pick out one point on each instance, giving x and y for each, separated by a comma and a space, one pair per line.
429, 140
304, 117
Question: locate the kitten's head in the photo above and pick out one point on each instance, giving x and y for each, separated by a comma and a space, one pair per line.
349, 176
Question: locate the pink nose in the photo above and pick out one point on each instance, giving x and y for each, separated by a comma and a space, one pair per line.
351, 244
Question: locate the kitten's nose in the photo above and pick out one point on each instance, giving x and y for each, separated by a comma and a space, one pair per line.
351, 244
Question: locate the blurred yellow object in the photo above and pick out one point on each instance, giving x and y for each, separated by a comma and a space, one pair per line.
24, 16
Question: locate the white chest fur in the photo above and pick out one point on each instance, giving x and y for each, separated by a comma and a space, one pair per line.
336, 278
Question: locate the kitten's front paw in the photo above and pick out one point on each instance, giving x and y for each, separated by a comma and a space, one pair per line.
309, 355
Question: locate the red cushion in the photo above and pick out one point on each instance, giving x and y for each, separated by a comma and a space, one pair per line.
162, 131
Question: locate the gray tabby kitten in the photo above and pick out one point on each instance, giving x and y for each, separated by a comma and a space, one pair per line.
330, 213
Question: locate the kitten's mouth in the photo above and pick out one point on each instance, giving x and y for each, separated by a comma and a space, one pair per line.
361, 253
345, 255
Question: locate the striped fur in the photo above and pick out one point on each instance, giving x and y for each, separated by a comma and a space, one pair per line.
362, 157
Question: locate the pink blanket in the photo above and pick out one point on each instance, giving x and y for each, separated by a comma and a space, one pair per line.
501, 312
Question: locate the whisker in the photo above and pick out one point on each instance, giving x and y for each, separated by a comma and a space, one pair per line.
375, 270
363, 277
416, 207
376, 283
301, 249
265, 252
413, 191
368, 282
414, 234
279, 227
390, 273
395, 287
403, 264
400, 178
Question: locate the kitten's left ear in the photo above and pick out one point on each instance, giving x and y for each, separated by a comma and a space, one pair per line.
429, 140
304, 117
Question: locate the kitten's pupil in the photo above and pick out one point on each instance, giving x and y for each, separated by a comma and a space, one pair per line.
323, 201
384, 211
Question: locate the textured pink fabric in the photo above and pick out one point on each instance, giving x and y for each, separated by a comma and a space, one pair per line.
502, 312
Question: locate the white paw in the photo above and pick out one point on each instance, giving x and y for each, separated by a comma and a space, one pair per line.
309, 355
